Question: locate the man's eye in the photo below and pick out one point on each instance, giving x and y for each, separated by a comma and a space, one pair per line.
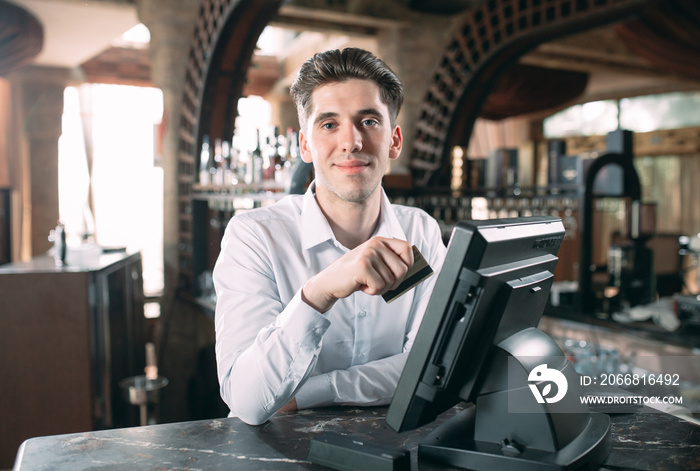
369, 122
328, 125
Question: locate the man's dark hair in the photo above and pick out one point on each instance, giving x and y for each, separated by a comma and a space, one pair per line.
337, 66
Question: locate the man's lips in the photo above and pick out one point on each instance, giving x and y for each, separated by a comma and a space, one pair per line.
352, 166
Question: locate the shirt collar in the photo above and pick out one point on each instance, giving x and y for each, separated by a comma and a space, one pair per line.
316, 230
314, 226
388, 226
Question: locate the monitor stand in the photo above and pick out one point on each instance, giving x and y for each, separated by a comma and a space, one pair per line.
490, 435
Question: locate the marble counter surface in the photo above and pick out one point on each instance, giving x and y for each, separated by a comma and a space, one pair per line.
639, 441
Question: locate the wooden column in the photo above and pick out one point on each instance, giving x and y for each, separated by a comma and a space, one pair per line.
38, 98
410, 50
171, 24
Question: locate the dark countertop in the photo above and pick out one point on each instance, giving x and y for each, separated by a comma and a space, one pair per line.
83, 260
648, 441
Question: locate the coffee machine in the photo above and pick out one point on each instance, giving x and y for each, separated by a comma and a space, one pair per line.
630, 261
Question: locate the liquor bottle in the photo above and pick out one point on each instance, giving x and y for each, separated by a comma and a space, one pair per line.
269, 158
280, 156
257, 160
58, 237
292, 146
239, 158
204, 175
230, 177
246, 160
288, 158
216, 164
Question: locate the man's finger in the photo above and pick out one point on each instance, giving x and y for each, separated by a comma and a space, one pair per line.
401, 248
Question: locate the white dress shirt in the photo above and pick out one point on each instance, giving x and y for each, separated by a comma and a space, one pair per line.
271, 346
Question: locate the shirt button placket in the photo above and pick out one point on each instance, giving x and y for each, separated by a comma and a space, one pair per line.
362, 328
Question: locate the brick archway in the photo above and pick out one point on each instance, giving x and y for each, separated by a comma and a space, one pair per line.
224, 40
492, 38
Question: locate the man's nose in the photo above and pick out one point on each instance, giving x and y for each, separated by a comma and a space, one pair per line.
350, 139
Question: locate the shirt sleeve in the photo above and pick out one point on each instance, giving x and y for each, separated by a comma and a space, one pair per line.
374, 383
264, 350
371, 384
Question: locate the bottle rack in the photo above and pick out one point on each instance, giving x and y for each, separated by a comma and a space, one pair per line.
213, 206
449, 209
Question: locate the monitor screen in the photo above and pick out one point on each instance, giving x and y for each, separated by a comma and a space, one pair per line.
485, 308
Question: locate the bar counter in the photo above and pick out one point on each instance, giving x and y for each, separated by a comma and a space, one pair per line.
68, 335
643, 441
686, 336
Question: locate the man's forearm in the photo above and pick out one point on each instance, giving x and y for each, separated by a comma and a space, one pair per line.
265, 375
371, 384
255, 393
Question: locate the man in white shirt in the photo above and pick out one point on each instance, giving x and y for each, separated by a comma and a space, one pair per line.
299, 319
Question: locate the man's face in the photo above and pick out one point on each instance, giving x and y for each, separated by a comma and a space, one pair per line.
349, 138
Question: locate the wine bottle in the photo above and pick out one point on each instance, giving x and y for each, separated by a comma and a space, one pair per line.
257, 160
229, 164
269, 158
204, 175
216, 164
280, 156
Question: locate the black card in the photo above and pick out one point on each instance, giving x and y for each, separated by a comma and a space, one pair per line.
416, 274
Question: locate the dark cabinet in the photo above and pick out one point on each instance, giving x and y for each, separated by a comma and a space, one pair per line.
5, 231
68, 335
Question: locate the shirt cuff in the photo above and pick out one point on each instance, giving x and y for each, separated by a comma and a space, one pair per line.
303, 323
316, 392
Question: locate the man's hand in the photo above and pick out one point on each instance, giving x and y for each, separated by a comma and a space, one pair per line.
291, 406
374, 268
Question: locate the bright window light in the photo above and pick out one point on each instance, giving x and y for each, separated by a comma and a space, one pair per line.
139, 34
127, 187
638, 114
666, 111
588, 119
273, 41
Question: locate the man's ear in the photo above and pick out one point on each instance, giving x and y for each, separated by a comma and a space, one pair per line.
304, 148
396, 143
